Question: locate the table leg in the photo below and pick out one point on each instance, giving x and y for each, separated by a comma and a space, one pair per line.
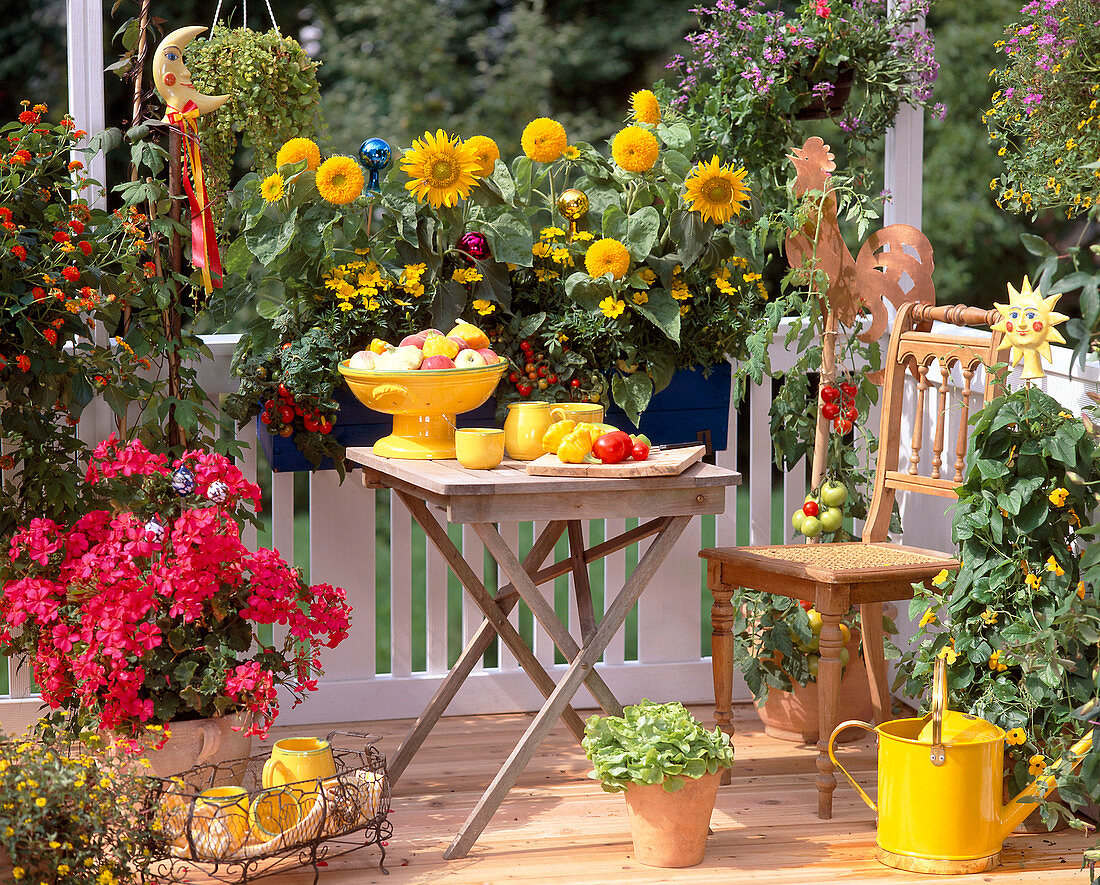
544, 612
582, 665
506, 599
827, 601
721, 651
582, 588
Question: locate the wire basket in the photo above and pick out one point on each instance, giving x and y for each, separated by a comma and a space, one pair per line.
221, 821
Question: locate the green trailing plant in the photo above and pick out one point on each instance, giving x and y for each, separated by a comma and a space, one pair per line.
653, 744
1019, 623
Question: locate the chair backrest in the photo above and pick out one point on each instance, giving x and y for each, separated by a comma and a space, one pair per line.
931, 358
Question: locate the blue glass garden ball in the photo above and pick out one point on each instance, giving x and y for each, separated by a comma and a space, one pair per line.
183, 482
375, 156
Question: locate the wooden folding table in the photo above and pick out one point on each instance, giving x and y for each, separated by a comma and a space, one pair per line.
508, 494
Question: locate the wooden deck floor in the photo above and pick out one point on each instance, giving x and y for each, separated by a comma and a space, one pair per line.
557, 826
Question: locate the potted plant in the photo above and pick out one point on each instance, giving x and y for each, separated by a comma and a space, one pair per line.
751, 70
668, 766
652, 275
71, 819
1018, 623
148, 610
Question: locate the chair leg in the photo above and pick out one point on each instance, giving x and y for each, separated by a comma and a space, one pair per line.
828, 699
721, 653
870, 615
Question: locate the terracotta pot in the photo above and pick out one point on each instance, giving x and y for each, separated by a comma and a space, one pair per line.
670, 829
204, 742
6, 876
792, 715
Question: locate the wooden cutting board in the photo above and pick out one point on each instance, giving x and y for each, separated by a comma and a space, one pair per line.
659, 463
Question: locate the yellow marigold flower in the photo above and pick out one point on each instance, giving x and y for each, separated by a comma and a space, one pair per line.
640, 297
1016, 736
715, 191
1052, 566
63, 869
607, 256
941, 577
340, 180
635, 149
927, 618
544, 275
549, 233
571, 152
1033, 581
486, 153
1058, 497
18, 872
484, 307
612, 307
995, 663
581, 235
561, 256
948, 654
442, 167
1080, 589
466, 275
296, 150
540, 250
645, 107
648, 275
544, 140
40, 801
272, 189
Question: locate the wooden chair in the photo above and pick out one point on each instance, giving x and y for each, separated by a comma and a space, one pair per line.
875, 570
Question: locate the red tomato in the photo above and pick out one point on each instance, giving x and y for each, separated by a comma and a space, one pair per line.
806, 604
265, 416
842, 425
851, 413
285, 393
286, 413
849, 390
576, 382
830, 411
639, 451
286, 432
553, 379
524, 389
513, 377
811, 508
829, 394
611, 448
525, 346
326, 425
312, 423
543, 371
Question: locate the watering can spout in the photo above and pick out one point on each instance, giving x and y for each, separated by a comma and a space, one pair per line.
1014, 812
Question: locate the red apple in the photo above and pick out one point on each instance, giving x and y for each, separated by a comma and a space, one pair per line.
462, 343
438, 362
363, 359
416, 340
431, 333
489, 355
469, 359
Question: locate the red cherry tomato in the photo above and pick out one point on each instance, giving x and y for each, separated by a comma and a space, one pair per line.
286, 413
286, 432
543, 371
326, 425
525, 346
842, 425
806, 604
524, 389
265, 416
830, 410
513, 377
553, 379
829, 394
312, 423
811, 508
851, 413
285, 393
849, 390
639, 451
576, 382
611, 448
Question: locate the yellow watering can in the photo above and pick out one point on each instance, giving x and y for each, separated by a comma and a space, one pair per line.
940, 783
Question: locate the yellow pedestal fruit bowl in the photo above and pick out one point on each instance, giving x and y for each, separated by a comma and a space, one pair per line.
424, 403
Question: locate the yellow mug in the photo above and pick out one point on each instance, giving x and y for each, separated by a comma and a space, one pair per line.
274, 812
301, 762
523, 429
479, 448
590, 413
219, 823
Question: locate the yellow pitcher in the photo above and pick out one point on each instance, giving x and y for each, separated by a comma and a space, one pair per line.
940, 781
523, 430
302, 763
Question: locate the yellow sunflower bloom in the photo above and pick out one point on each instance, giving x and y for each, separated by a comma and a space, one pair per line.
611, 307
486, 153
607, 256
715, 191
645, 107
1016, 736
635, 149
544, 140
298, 149
340, 180
442, 167
272, 189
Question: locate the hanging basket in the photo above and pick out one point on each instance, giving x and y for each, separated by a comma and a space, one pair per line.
820, 107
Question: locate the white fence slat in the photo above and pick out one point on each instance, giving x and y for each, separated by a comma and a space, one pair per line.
725, 526
760, 464
669, 610
436, 596
400, 588
614, 571
247, 464
472, 618
794, 496
509, 531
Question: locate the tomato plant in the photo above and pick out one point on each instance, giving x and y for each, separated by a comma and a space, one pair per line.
833, 493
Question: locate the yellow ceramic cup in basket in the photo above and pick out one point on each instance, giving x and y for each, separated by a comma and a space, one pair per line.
273, 812
299, 763
424, 403
219, 823
480, 448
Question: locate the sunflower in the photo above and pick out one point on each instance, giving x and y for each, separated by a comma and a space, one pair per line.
442, 167
486, 152
607, 256
716, 192
298, 149
340, 180
634, 149
645, 106
272, 188
544, 140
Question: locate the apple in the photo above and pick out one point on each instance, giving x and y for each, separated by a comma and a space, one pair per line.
438, 362
461, 342
470, 359
416, 340
489, 355
363, 359
407, 357
431, 333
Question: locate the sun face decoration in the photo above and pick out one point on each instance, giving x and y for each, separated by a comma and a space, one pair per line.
1028, 323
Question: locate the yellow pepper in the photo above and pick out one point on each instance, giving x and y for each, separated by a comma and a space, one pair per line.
555, 433
576, 444
594, 431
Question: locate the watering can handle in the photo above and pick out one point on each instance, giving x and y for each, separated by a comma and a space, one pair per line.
939, 710
852, 723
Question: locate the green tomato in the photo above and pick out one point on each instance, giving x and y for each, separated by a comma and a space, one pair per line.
844, 656
815, 621
811, 526
811, 663
831, 518
834, 493
808, 647
796, 519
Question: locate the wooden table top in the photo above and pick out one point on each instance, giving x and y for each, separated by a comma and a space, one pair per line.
508, 492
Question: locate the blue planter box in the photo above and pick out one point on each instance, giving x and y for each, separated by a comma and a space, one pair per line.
356, 425
689, 405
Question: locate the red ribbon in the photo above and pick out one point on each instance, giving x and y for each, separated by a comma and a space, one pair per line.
204, 242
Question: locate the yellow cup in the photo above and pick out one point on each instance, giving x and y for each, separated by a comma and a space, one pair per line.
274, 812
301, 762
590, 413
479, 448
219, 824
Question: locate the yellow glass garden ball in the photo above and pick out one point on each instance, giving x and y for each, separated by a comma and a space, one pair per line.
573, 206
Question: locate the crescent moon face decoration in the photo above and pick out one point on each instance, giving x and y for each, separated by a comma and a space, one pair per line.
173, 80
1028, 322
